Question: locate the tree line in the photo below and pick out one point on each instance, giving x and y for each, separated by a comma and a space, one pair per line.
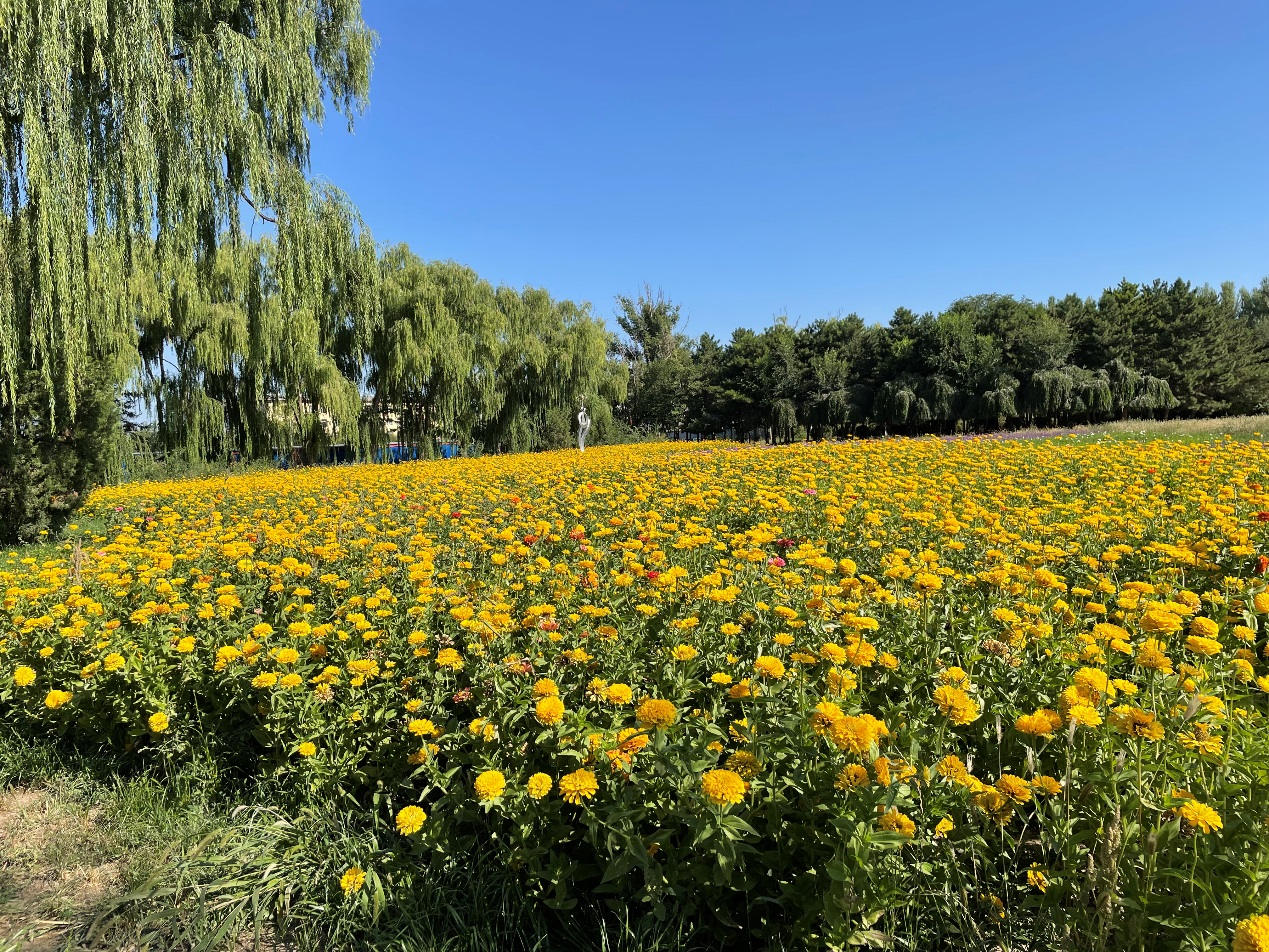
986, 362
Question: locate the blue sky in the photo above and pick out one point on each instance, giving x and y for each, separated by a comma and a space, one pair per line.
816, 158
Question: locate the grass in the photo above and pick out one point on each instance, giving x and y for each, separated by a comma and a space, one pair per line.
95, 859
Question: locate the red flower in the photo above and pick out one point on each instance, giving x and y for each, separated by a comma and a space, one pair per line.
1262, 564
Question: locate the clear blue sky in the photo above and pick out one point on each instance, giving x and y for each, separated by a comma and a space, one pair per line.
816, 158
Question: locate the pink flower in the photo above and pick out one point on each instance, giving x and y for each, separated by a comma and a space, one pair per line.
776, 561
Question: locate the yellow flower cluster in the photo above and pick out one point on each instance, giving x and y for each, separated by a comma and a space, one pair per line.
807, 637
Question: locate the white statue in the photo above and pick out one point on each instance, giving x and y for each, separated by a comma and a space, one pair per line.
583, 427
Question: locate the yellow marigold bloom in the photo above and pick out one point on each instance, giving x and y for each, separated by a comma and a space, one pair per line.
1203, 646
186, 645
888, 661
1260, 602
1252, 935
744, 763
23, 676
830, 651
852, 776
265, 679
449, 658
769, 667
1036, 879
956, 705
942, 828
1159, 621
1202, 739
291, 680
1014, 787
860, 653
1046, 784
619, 694
578, 786
539, 786
158, 722
955, 676
1151, 654
926, 582
545, 687
422, 727
683, 653
655, 712
892, 821
723, 787
1204, 627
1040, 724
853, 734
730, 629
411, 819
352, 880
740, 690
841, 683
1200, 817
287, 656
55, 699
112, 661
719, 677
1083, 715
306, 749
549, 710
490, 784
953, 768
822, 718
1135, 722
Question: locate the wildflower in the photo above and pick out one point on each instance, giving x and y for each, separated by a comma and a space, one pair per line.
744, 763
1199, 817
723, 787
956, 705
769, 667
852, 776
1013, 787
539, 786
655, 712
1040, 724
410, 820
112, 662
158, 722
1135, 722
942, 828
422, 727
306, 749
549, 710
23, 676
55, 699
449, 658
1036, 879
287, 656
490, 784
892, 821
545, 687
1203, 646
1252, 935
619, 694
578, 786
683, 653
352, 880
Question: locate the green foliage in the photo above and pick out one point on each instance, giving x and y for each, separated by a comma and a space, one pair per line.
47, 463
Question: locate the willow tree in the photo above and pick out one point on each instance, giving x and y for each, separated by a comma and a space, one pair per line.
139, 137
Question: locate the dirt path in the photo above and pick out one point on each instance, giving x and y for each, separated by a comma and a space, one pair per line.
53, 869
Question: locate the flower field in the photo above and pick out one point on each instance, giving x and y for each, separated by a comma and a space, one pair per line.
966, 694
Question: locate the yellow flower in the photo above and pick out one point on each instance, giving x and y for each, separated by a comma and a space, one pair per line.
942, 828
852, 776
723, 787
158, 722
112, 661
769, 667
956, 705
578, 786
1252, 935
55, 699
490, 784
306, 749
655, 712
619, 694
893, 821
449, 658
545, 687
411, 819
744, 763
1200, 817
23, 676
684, 653
422, 727
539, 786
549, 710
352, 880
1036, 879
287, 656
1014, 787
